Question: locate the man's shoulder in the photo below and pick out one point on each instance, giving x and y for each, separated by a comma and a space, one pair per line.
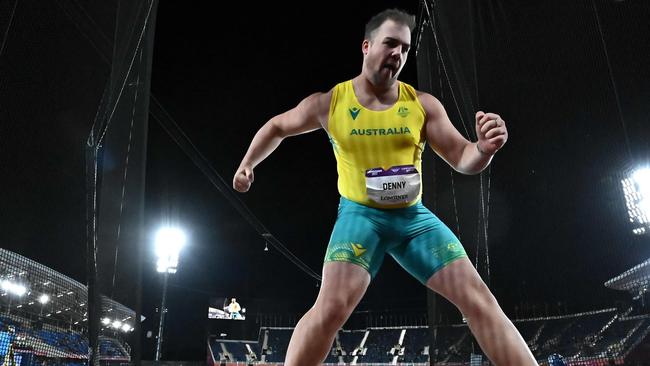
431, 105
423, 94
427, 98
320, 99
419, 93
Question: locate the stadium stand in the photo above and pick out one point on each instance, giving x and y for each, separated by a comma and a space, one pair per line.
44, 317
416, 345
584, 338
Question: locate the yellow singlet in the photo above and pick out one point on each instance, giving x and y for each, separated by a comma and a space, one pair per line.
378, 153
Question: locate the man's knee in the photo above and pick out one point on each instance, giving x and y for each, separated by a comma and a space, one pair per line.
479, 303
334, 312
461, 284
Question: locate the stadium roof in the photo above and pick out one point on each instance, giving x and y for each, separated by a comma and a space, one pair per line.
33, 290
635, 279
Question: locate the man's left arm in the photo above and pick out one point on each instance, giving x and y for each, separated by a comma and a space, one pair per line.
464, 156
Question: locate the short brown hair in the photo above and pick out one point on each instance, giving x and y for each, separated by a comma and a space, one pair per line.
396, 15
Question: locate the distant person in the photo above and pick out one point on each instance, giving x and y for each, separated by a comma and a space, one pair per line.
234, 309
378, 127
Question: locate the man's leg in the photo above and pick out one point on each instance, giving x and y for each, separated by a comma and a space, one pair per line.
459, 283
342, 288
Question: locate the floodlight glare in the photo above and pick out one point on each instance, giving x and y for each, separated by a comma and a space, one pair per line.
126, 328
636, 189
13, 288
44, 299
642, 179
117, 324
169, 242
106, 321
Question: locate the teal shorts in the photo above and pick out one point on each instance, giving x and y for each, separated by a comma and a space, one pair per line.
414, 236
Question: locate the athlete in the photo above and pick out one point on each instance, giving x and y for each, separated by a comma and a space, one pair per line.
234, 309
378, 127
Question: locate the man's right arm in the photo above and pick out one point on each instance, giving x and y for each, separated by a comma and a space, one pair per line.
309, 115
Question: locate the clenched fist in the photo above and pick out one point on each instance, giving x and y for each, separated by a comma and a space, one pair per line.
243, 179
491, 131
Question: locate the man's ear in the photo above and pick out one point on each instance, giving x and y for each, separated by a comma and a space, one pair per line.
365, 46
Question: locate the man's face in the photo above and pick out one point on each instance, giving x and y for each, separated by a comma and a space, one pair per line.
386, 52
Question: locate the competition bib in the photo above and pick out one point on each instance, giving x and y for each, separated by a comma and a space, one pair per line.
398, 184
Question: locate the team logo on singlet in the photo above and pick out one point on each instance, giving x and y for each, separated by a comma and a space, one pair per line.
403, 112
354, 112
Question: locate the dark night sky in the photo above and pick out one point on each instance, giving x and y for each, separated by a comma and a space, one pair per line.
557, 225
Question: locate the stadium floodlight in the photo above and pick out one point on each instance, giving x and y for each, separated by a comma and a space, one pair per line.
13, 288
44, 299
636, 189
126, 327
117, 324
106, 321
169, 242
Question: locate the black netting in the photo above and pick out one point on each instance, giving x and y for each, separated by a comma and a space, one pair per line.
116, 162
468, 53
68, 68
